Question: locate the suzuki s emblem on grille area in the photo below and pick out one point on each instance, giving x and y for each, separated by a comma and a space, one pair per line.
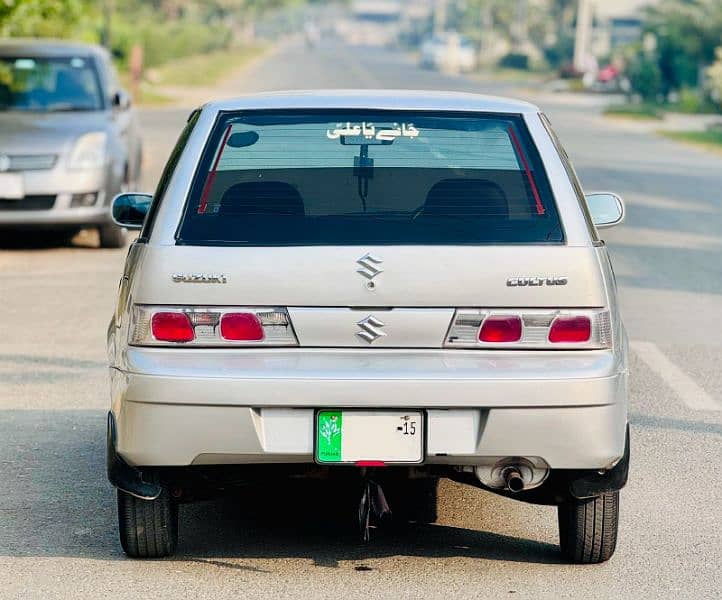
370, 329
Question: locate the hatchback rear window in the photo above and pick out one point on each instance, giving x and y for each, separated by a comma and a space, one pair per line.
371, 177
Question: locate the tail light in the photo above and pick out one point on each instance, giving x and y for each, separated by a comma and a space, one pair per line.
241, 327
531, 329
570, 330
172, 327
210, 326
503, 329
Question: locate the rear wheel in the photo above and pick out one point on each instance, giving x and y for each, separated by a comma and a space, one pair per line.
588, 528
148, 528
112, 236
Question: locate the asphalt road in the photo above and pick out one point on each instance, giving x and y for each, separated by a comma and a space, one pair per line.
57, 513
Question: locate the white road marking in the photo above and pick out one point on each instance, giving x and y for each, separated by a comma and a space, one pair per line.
685, 387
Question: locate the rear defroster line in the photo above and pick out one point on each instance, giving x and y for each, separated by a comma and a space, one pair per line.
212, 175
520, 153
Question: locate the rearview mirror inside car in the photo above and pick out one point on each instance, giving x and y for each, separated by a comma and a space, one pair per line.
129, 210
606, 208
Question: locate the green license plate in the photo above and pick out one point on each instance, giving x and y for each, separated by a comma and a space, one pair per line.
353, 436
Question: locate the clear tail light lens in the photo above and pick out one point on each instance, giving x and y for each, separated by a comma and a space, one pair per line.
530, 329
172, 327
219, 326
570, 330
503, 329
241, 327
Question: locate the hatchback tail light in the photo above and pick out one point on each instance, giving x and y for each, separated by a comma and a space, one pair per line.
570, 330
241, 327
210, 326
503, 329
532, 329
172, 327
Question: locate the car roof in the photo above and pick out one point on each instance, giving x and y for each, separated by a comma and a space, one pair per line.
374, 99
48, 48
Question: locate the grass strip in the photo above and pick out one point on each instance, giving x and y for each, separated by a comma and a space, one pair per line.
640, 112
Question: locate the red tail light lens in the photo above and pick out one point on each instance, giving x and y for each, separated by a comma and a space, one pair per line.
241, 327
172, 327
503, 329
570, 330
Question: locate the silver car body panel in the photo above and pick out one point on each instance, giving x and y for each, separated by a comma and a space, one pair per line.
182, 406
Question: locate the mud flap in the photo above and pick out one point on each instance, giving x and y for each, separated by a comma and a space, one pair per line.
122, 475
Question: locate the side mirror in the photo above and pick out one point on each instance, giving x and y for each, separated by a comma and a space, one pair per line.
121, 100
129, 210
607, 209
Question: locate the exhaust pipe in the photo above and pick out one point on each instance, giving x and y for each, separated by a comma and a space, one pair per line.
512, 473
513, 480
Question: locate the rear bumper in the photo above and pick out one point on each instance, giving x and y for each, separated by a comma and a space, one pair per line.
175, 407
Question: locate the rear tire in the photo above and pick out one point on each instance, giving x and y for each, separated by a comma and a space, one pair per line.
588, 529
112, 236
148, 528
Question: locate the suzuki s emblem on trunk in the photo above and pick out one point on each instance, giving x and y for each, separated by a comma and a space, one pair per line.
369, 268
370, 329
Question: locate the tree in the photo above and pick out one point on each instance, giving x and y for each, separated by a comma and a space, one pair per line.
714, 78
43, 18
645, 78
687, 34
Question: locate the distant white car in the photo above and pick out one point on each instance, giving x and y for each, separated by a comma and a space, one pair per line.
448, 52
383, 287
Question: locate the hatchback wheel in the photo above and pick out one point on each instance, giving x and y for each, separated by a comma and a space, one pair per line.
112, 236
148, 528
588, 529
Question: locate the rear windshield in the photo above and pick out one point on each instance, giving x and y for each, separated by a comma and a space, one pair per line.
359, 178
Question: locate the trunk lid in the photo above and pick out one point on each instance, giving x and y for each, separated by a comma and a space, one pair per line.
414, 291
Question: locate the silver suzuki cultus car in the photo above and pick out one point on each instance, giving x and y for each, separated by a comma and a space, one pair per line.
376, 288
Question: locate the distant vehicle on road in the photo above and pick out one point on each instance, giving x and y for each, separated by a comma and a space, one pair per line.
69, 139
311, 34
372, 23
377, 289
449, 51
